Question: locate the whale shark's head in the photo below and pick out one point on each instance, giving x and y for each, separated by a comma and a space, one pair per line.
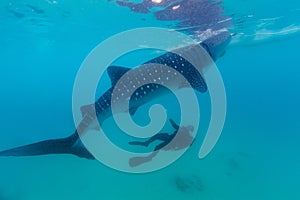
216, 43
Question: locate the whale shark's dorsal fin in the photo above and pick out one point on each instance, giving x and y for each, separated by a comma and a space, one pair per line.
86, 109
115, 73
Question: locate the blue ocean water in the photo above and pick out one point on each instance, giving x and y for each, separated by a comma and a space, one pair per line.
43, 44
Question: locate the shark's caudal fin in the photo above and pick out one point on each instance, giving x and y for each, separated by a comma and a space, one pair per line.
56, 146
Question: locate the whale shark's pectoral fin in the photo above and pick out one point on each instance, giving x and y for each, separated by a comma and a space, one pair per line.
55, 146
132, 110
115, 73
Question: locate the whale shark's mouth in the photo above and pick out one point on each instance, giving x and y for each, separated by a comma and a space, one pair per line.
215, 42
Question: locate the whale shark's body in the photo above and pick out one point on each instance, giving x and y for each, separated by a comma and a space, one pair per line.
215, 45
102, 107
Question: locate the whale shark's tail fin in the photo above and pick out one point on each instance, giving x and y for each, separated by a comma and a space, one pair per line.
55, 146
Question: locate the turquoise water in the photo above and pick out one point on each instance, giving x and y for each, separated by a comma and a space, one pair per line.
257, 156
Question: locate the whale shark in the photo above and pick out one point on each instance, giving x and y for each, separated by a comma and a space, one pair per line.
102, 107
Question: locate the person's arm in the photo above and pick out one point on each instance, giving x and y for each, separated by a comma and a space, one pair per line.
175, 126
165, 137
160, 136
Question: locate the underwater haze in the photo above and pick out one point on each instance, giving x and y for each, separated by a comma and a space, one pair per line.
42, 46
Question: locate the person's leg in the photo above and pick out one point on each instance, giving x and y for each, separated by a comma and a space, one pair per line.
159, 136
135, 161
